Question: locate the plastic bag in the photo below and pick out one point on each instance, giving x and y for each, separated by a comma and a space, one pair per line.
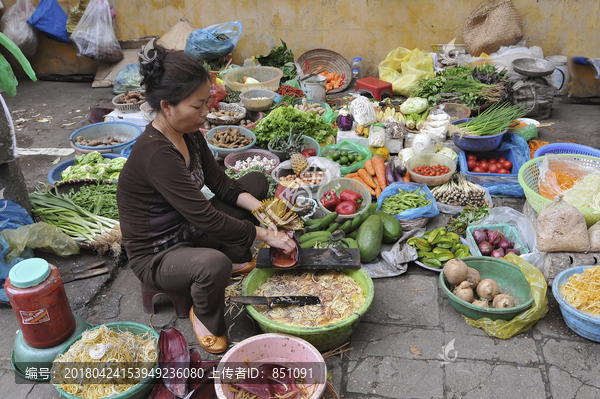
562, 228
521, 223
6, 266
528, 132
535, 95
13, 216
403, 68
504, 57
425, 143
348, 146
594, 235
213, 42
50, 19
362, 111
557, 174
94, 35
505, 329
377, 135
217, 94
14, 25
128, 78
39, 235
428, 211
331, 170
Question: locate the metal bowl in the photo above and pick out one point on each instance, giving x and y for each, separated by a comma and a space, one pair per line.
534, 67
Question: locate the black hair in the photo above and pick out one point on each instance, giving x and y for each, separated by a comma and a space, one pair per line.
171, 76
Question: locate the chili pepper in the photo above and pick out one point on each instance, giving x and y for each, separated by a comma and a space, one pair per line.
311, 151
346, 208
349, 195
289, 90
330, 200
305, 153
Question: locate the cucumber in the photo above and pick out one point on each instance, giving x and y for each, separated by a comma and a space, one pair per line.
369, 238
311, 243
314, 234
392, 229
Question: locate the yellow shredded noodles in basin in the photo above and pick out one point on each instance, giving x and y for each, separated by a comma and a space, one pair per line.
582, 291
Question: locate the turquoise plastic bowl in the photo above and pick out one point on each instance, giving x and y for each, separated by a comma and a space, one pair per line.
223, 152
584, 324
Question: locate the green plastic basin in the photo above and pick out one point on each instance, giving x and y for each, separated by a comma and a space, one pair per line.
139, 391
510, 281
325, 337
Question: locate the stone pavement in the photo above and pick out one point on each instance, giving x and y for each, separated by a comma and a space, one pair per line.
548, 361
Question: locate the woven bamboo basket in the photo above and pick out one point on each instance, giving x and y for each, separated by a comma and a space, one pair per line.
328, 60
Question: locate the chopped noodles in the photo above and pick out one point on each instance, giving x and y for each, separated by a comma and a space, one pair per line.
103, 354
585, 193
340, 296
582, 290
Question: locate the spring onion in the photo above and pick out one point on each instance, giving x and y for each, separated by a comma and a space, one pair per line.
492, 121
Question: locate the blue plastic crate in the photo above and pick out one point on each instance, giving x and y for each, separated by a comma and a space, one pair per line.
566, 148
482, 178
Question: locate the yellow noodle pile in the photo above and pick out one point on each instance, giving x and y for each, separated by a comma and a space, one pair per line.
582, 290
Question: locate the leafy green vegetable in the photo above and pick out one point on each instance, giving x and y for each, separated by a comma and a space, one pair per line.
8, 81
93, 166
280, 57
280, 120
238, 175
99, 199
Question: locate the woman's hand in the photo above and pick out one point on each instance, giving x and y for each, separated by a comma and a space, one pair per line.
276, 239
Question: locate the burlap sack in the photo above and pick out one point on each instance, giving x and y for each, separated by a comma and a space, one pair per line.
492, 24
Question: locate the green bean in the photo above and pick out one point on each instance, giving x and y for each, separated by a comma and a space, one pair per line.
395, 204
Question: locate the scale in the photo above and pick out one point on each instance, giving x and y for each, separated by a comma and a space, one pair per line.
533, 67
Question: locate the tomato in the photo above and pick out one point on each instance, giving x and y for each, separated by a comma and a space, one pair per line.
492, 160
507, 165
504, 172
500, 160
471, 157
483, 160
471, 164
484, 166
493, 168
478, 170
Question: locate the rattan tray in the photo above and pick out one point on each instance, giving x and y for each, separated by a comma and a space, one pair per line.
328, 60
228, 120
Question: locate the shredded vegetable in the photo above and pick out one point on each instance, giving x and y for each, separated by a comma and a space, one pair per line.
585, 193
582, 290
534, 145
555, 183
100, 352
340, 296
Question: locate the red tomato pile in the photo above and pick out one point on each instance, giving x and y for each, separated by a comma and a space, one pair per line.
491, 165
432, 170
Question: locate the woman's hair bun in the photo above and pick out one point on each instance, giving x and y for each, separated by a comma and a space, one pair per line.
152, 65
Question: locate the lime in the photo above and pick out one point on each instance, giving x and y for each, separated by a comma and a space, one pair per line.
343, 160
335, 156
351, 157
329, 157
359, 158
343, 153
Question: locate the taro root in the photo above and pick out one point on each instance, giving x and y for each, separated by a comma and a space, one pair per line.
502, 301
487, 289
282, 260
483, 304
455, 271
473, 277
464, 291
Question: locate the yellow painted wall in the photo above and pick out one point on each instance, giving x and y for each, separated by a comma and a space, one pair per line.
367, 28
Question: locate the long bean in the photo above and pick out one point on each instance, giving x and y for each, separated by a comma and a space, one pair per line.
493, 120
397, 203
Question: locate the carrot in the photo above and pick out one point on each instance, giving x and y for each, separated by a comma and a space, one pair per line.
406, 177
358, 179
351, 175
369, 167
379, 167
377, 192
367, 178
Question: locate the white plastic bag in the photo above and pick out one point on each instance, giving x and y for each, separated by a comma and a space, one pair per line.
14, 25
94, 35
331, 170
504, 57
562, 228
425, 143
363, 111
377, 135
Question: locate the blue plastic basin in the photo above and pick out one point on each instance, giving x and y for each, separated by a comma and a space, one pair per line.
584, 324
124, 131
54, 174
476, 143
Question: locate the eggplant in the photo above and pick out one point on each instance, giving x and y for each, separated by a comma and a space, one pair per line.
401, 170
174, 356
284, 261
397, 176
389, 172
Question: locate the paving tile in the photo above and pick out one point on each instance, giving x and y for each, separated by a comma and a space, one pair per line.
579, 359
454, 322
396, 378
553, 325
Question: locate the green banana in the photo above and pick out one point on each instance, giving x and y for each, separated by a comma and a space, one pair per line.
314, 234
350, 242
311, 243
324, 222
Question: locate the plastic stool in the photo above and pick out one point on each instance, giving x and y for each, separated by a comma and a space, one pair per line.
374, 86
182, 301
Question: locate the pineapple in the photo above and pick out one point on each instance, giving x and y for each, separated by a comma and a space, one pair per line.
292, 146
299, 163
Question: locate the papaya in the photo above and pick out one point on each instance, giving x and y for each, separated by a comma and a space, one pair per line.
392, 229
369, 238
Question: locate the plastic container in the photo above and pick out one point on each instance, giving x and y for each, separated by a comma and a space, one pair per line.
258, 100
315, 88
268, 77
309, 142
481, 178
529, 177
286, 350
477, 143
36, 294
566, 148
584, 324
223, 152
340, 184
506, 229
124, 131
430, 159
55, 172
323, 338
510, 280
357, 68
139, 391
559, 79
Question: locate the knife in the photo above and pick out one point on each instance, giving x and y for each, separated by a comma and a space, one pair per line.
276, 300
85, 271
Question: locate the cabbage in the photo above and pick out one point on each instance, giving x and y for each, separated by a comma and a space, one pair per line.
449, 152
93, 166
414, 105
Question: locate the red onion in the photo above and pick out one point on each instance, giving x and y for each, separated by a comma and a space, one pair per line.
494, 237
505, 244
485, 248
479, 236
497, 253
513, 251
